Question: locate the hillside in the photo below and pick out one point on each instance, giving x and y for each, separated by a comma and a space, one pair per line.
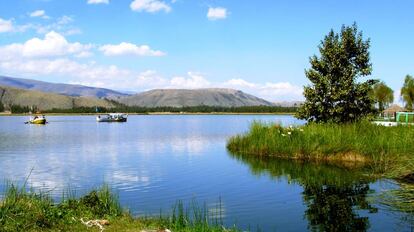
64, 89
44, 101
193, 97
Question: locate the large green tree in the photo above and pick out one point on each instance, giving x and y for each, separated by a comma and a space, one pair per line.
335, 94
383, 95
407, 92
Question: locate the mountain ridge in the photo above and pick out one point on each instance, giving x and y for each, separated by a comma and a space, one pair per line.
223, 97
72, 90
193, 97
46, 101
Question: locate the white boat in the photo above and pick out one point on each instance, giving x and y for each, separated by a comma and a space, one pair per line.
112, 118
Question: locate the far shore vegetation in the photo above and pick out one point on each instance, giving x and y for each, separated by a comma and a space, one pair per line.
23, 209
339, 108
17, 109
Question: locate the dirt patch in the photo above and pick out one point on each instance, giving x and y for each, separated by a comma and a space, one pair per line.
347, 160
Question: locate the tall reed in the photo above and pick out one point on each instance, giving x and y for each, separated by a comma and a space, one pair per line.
23, 209
386, 151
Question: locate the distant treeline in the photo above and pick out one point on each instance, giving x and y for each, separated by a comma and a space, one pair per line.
185, 109
17, 109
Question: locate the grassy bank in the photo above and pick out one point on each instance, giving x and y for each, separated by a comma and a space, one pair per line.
24, 210
386, 151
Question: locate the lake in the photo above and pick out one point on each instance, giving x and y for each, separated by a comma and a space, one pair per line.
152, 161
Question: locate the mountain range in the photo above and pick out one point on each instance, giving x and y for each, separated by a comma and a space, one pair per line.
44, 101
64, 89
193, 97
45, 95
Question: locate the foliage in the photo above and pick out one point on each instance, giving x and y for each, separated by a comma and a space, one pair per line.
384, 150
120, 108
332, 208
17, 109
186, 109
1, 107
23, 209
383, 95
407, 92
335, 95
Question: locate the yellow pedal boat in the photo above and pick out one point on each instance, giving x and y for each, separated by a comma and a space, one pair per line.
37, 120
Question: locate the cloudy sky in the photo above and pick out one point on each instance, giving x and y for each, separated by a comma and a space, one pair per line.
261, 47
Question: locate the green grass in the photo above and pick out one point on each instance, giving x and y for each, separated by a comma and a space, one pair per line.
386, 151
26, 210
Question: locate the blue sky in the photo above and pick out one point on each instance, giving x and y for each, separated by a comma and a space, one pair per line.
261, 47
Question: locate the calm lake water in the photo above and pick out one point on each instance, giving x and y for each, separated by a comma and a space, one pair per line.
153, 161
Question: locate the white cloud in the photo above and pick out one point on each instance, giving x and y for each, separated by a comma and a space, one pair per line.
54, 56
270, 91
6, 25
111, 76
98, 1
89, 73
216, 13
61, 24
73, 31
129, 49
52, 45
150, 6
240, 83
39, 13
149, 79
193, 81
64, 20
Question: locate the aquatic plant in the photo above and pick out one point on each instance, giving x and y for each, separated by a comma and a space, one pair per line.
386, 151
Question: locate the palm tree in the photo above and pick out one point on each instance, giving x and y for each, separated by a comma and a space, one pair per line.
407, 92
383, 95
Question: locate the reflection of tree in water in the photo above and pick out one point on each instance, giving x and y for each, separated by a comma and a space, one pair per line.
332, 208
333, 195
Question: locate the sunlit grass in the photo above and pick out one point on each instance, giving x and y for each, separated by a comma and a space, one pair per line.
387, 151
26, 210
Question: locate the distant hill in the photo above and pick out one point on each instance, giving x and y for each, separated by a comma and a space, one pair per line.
65, 89
45, 95
193, 97
44, 101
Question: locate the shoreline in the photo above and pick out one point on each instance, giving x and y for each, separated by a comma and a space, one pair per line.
151, 113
